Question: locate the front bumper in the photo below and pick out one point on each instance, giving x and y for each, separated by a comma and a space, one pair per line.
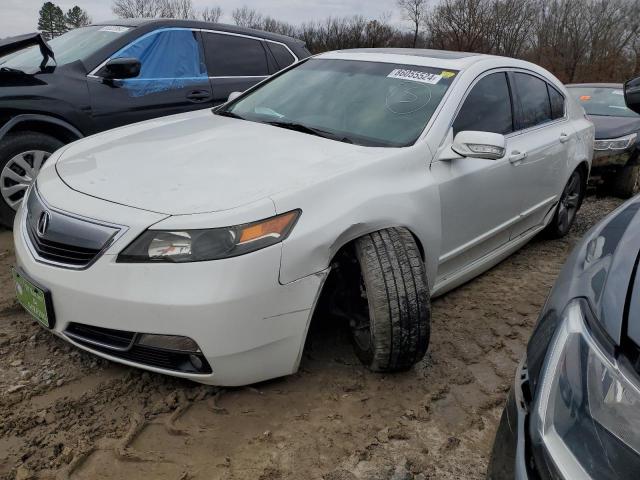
511, 446
607, 159
248, 326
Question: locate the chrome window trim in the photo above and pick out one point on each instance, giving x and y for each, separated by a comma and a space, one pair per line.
515, 70
93, 73
120, 231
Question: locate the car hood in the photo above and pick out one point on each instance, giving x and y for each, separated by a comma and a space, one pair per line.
613, 127
200, 162
601, 270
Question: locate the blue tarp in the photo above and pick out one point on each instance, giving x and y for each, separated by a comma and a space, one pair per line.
171, 59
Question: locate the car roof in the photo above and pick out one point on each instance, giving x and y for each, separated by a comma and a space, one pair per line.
416, 56
594, 85
171, 22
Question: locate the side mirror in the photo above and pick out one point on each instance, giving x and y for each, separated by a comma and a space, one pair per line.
632, 94
474, 144
233, 96
121, 68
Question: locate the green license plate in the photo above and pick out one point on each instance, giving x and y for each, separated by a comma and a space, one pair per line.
34, 299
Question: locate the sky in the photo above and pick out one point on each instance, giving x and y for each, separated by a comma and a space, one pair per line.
21, 16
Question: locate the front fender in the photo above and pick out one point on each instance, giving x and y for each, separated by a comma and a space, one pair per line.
391, 192
42, 119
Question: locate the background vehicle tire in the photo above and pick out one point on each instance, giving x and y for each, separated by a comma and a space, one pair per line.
568, 206
395, 335
21, 156
624, 183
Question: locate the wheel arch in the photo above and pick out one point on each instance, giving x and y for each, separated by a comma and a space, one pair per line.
345, 252
46, 124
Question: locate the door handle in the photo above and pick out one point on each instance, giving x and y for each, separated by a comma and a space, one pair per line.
517, 156
199, 95
564, 137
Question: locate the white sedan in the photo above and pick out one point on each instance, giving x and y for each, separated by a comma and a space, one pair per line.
355, 183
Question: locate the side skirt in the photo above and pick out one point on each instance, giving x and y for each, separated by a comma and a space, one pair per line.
443, 285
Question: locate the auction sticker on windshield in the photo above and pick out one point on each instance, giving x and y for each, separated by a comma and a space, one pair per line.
414, 75
32, 298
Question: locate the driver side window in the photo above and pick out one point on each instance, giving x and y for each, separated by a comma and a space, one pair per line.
488, 107
170, 60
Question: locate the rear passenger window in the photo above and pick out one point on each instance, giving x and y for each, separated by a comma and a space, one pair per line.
234, 56
281, 54
557, 103
534, 100
487, 108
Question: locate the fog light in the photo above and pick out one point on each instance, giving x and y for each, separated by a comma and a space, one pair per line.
195, 361
168, 342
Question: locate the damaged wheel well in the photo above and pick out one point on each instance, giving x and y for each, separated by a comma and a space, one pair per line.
344, 278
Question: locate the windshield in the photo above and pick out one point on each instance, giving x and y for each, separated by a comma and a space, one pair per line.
74, 45
366, 103
602, 101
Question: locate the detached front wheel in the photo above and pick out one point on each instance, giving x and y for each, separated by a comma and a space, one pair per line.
393, 285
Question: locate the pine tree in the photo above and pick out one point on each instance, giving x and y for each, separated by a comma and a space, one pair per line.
77, 17
52, 21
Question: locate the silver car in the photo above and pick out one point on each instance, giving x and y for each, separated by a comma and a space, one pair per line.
360, 183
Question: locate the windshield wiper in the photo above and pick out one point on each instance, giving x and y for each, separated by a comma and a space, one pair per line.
227, 113
11, 70
299, 127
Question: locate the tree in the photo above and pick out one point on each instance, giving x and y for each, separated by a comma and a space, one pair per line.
414, 11
137, 8
51, 22
77, 17
247, 17
211, 14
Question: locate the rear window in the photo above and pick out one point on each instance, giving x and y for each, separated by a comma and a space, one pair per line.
234, 56
534, 100
557, 103
281, 54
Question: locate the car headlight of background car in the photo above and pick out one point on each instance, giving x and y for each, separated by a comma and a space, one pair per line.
620, 143
180, 246
588, 405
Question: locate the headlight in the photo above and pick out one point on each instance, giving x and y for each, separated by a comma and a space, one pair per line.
615, 143
588, 410
181, 246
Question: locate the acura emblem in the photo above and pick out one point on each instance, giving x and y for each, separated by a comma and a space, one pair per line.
43, 223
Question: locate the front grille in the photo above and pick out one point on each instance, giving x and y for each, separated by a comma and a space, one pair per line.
60, 252
61, 239
120, 344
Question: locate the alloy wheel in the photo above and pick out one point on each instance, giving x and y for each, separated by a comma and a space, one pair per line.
18, 174
569, 202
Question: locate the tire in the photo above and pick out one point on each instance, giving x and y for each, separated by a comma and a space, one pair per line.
395, 335
36, 148
568, 206
624, 183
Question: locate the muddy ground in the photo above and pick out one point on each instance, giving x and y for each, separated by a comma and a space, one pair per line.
68, 414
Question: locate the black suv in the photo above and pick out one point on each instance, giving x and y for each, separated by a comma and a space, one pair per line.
111, 74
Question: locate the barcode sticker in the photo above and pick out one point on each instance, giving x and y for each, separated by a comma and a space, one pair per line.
415, 76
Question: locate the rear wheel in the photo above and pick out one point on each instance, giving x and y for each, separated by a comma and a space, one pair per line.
624, 183
22, 154
568, 206
391, 330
